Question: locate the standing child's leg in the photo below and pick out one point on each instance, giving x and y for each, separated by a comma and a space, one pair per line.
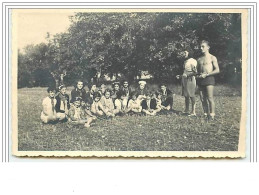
204, 101
210, 90
193, 113
187, 103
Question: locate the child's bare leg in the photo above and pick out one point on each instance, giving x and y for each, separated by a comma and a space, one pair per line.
187, 103
89, 120
210, 90
61, 116
193, 105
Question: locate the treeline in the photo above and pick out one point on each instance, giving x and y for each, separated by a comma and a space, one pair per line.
114, 44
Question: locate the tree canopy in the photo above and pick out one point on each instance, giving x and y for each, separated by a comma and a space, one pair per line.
128, 43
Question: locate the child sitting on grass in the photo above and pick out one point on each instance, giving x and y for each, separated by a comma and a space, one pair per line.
62, 105
77, 114
78, 91
107, 103
146, 105
120, 103
134, 104
97, 107
49, 113
86, 106
159, 106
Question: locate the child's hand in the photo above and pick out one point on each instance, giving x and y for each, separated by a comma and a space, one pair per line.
184, 75
178, 76
204, 75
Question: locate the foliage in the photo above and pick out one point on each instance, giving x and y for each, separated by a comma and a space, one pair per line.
97, 44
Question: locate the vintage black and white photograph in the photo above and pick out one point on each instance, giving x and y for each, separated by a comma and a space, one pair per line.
129, 83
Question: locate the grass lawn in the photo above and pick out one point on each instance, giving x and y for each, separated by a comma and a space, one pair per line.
165, 132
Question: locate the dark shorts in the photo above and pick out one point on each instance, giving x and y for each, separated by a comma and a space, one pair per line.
210, 80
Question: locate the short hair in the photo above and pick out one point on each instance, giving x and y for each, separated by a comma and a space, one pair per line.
162, 84
90, 85
115, 83
107, 90
158, 93
148, 93
97, 94
120, 94
51, 89
125, 81
133, 93
190, 51
78, 99
205, 41
78, 82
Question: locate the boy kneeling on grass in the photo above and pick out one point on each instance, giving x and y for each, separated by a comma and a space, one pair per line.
77, 114
49, 113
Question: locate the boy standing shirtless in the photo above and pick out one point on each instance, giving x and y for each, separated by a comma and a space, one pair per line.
207, 68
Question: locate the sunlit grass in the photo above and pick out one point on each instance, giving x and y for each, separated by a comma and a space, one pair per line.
165, 132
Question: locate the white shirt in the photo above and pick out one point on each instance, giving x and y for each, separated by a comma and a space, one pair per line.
47, 106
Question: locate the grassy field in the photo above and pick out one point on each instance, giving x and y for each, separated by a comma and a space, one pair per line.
165, 132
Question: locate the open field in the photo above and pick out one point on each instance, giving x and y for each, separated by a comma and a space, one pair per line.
165, 132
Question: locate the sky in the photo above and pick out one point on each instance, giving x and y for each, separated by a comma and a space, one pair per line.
33, 25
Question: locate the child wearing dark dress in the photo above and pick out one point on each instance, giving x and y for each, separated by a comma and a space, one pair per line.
78, 91
62, 105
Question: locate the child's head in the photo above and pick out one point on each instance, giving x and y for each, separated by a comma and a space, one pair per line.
148, 95
125, 83
87, 105
96, 96
116, 86
158, 95
103, 88
92, 86
77, 102
142, 84
79, 84
134, 96
83, 103
163, 86
107, 93
62, 89
51, 91
121, 95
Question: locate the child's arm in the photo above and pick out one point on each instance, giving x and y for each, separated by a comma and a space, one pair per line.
100, 106
71, 114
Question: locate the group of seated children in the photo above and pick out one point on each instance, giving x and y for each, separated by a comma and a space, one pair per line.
85, 107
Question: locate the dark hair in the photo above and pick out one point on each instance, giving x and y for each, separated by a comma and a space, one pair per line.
121, 93
205, 41
148, 93
190, 51
77, 99
78, 82
115, 83
125, 81
90, 85
133, 93
51, 89
162, 84
158, 93
107, 90
96, 94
